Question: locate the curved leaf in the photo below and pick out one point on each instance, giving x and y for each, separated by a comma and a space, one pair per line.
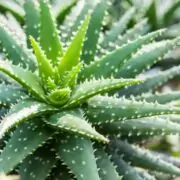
24, 110
25, 139
77, 153
73, 121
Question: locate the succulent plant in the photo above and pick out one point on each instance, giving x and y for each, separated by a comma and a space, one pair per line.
159, 12
75, 108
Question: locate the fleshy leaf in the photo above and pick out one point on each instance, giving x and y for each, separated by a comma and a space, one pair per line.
42, 162
168, 15
24, 110
45, 67
72, 55
90, 44
161, 98
102, 109
119, 27
153, 126
15, 52
125, 170
64, 9
78, 16
143, 158
49, 38
26, 78
131, 34
146, 57
59, 96
60, 172
73, 121
12, 7
32, 19
90, 88
107, 170
25, 139
77, 153
151, 13
110, 64
152, 82
10, 94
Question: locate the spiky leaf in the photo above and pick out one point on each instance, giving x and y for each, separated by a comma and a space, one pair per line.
106, 168
72, 55
152, 126
24, 140
77, 153
146, 57
49, 38
152, 82
90, 44
15, 52
110, 64
73, 121
119, 27
44, 66
39, 164
25, 109
32, 19
102, 109
90, 88
145, 159
24, 77
10, 94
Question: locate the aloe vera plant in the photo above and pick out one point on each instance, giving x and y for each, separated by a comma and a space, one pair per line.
61, 115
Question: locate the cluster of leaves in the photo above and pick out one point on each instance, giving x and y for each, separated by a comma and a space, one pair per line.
74, 108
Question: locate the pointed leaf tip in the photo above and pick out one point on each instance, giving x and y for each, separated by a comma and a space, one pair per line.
72, 55
45, 67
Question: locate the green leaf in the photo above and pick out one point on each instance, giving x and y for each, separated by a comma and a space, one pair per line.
12, 7
152, 82
60, 172
59, 96
32, 19
64, 9
24, 140
15, 52
146, 57
90, 44
91, 88
24, 110
107, 170
151, 13
118, 28
72, 55
145, 175
147, 127
49, 38
73, 121
143, 158
169, 13
125, 170
73, 76
41, 163
77, 154
26, 78
78, 15
110, 64
10, 94
104, 109
131, 34
45, 68
161, 98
